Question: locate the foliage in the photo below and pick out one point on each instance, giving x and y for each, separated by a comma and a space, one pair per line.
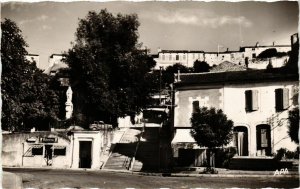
201, 66
211, 128
284, 153
223, 156
272, 52
27, 98
294, 124
168, 73
108, 69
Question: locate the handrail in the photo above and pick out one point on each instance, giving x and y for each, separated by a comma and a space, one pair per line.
103, 165
136, 149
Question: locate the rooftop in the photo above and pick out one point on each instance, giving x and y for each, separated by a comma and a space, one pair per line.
248, 76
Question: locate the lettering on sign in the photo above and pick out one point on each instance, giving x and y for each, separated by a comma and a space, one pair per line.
48, 140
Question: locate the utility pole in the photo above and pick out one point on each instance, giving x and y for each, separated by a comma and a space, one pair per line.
160, 69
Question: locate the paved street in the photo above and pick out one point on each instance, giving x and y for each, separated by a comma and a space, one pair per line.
45, 178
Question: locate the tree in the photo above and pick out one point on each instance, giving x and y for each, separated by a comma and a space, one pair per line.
26, 96
272, 52
211, 128
108, 68
168, 73
201, 66
294, 124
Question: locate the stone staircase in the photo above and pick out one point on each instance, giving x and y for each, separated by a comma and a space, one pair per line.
124, 151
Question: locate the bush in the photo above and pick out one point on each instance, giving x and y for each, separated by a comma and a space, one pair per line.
286, 154
223, 156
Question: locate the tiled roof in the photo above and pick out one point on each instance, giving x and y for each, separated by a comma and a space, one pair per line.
249, 76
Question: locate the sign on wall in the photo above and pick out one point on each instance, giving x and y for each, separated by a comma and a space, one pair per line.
48, 140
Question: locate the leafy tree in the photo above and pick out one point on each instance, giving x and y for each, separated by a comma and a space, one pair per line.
294, 124
272, 52
27, 99
108, 68
168, 73
201, 66
211, 128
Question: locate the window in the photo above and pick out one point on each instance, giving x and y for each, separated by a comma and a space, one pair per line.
59, 150
251, 100
263, 139
37, 150
232, 56
195, 106
177, 57
254, 55
281, 99
170, 57
183, 57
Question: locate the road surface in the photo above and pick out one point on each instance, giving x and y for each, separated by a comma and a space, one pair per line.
54, 178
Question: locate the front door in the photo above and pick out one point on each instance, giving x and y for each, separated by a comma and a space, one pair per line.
48, 154
85, 154
186, 157
241, 140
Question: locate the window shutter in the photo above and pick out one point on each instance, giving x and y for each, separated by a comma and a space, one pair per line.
254, 100
264, 139
195, 106
278, 99
285, 98
248, 100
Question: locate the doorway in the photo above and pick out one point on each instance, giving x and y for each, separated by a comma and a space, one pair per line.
48, 154
85, 154
241, 140
186, 157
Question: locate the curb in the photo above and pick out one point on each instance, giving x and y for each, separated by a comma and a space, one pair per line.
238, 174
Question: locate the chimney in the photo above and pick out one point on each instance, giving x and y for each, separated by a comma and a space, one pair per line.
227, 49
273, 43
257, 44
158, 50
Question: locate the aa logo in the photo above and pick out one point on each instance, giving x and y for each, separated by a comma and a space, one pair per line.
281, 172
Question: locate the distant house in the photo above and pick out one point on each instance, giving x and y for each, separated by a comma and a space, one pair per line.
245, 55
256, 101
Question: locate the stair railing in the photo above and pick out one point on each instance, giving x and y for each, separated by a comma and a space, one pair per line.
136, 149
110, 153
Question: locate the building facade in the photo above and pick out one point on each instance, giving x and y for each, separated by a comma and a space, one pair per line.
256, 101
248, 53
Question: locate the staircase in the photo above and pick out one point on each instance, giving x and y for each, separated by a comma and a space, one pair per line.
123, 151
147, 156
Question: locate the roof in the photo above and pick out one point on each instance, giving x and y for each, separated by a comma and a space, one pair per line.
248, 76
264, 46
56, 67
227, 66
180, 51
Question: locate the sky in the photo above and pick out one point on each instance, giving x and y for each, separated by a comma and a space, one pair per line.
49, 27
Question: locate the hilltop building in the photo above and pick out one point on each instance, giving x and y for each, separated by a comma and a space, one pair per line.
246, 55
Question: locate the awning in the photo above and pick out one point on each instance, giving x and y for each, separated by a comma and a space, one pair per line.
58, 147
183, 136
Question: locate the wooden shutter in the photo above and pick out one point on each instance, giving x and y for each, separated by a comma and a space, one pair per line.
248, 100
254, 99
285, 99
195, 106
278, 99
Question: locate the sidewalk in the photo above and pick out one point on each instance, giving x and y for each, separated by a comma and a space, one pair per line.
11, 181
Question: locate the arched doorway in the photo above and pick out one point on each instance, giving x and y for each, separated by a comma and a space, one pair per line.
240, 140
263, 140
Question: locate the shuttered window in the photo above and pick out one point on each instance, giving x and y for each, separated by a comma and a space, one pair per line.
196, 106
251, 100
281, 99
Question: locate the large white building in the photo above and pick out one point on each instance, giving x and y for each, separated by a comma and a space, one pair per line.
187, 58
256, 101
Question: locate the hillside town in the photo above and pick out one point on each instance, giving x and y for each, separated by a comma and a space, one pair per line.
168, 113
